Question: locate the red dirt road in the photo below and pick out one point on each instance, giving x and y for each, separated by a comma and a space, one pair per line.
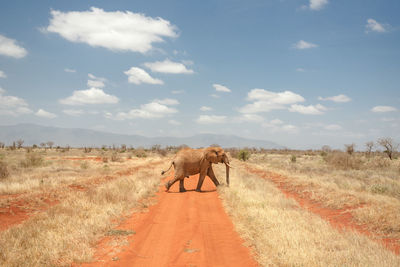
182, 229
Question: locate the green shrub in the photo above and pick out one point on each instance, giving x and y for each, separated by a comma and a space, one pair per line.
293, 159
84, 165
244, 155
140, 153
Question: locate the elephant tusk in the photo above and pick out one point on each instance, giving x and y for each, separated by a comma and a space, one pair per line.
229, 165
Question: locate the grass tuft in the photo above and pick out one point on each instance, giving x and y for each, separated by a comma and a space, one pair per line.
4, 172
32, 160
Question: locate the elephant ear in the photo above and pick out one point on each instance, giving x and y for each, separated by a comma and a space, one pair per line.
211, 155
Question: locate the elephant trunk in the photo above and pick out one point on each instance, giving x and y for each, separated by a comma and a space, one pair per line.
226, 161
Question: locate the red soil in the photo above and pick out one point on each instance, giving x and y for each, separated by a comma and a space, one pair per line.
17, 208
11, 215
182, 229
86, 158
338, 218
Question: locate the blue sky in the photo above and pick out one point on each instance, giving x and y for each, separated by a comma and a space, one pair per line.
301, 73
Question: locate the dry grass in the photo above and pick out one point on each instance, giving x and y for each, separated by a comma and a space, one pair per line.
67, 232
3, 170
282, 234
341, 180
43, 170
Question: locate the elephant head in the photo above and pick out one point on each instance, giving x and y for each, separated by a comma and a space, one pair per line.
217, 155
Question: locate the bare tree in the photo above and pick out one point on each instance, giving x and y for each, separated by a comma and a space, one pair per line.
350, 148
50, 144
2, 145
19, 143
389, 145
43, 145
123, 148
369, 146
326, 148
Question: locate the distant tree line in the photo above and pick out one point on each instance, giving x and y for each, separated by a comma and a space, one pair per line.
389, 146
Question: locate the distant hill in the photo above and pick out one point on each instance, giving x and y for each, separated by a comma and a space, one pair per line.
36, 134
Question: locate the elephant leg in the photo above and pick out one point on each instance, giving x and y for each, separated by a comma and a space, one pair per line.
181, 186
171, 182
211, 174
201, 180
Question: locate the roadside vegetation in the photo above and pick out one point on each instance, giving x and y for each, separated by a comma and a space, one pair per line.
86, 192
281, 233
69, 200
339, 180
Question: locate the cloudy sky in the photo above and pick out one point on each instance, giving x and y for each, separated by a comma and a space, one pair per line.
301, 73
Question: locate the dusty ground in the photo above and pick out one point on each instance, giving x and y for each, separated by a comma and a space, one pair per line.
178, 229
182, 229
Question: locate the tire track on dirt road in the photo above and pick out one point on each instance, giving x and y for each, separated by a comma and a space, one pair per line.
182, 229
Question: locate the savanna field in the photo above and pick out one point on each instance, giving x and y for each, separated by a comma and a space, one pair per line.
70, 206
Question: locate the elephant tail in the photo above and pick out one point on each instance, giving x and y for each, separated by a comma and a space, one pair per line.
163, 172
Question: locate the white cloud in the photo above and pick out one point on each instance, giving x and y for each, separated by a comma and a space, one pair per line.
215, 96
89, 96
177, 92
289, 128
276, 122
381, 109
300, 70
108, 115
221, 88
286, 97
388, 119
374, 26
2, 74
73, 112
150, 110
139, 76
168, 66
338, 98
117, 31
174, 122
265, 101
317, 4
8, 47
187, 62
333, 127
45, 114
277, 125
11, 102
308, 110
205, 108
96, 84
69, 70
211, 119
250, 118
23, 110
304, 45
167, 101
91, 76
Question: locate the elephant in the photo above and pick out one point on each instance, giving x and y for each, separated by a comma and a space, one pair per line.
193, 161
